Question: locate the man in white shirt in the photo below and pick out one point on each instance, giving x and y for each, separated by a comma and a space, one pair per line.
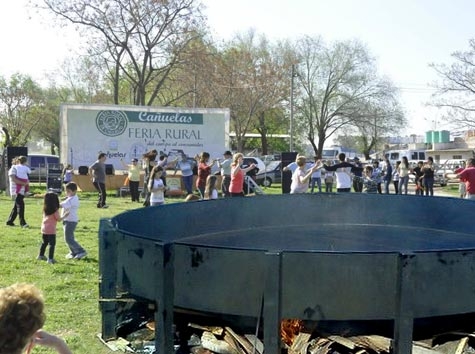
225, 167
343, 171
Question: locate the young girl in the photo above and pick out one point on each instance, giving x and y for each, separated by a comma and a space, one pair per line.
403, 171
210, 191
48, 226
148, 162
156, 186
396, 177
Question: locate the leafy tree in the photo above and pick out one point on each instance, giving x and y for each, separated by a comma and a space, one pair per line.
275, 68
248, 79
456, 88
18, 97
337, 86
82, 82
49, 112
193, 83
141, 41
378, 115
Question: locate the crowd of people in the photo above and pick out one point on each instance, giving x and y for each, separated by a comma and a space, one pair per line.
54, 210
371, 178
307, 176
231, 168
316, 175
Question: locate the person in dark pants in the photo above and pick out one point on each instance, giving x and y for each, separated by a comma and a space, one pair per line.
343, 172
133, 179
18, 175
98, 172
418, 174
358, 173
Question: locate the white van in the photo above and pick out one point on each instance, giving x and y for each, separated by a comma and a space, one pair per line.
414, 155
38, 164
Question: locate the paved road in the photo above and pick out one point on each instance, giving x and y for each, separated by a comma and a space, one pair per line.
438, 191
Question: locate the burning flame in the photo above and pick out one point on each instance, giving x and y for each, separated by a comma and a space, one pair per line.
289, 329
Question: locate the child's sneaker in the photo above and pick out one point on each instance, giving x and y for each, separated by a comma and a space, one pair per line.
69, 256
51, 261
41, 258
80, 255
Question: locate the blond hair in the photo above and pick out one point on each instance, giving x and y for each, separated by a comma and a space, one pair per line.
236, 157
210, 185
300, 160
21, 315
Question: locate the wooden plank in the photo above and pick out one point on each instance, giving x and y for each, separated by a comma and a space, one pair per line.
299, 344
233, 343
374, 342
346, 342
217, 331
210, 342
416, 349
255, 342
462, 345
321, 347
241, 340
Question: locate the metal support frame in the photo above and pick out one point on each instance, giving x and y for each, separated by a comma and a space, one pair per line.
404, 320
273, 303
164, 294
250, 183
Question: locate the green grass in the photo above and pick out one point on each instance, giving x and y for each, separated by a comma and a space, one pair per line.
70, 287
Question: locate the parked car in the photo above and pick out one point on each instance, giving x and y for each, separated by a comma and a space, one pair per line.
269, 158
248, 160
39, 164
271, 174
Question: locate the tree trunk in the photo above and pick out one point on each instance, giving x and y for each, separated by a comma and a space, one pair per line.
263, 130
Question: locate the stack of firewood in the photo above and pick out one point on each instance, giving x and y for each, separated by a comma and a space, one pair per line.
223, 340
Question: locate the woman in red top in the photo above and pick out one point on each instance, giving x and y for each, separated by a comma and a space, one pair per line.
204, 170
237, 175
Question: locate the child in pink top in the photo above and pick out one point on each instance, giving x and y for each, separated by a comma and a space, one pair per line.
48, 226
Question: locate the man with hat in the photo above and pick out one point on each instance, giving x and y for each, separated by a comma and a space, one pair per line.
225, 167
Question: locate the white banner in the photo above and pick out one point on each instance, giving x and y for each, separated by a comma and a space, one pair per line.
128, 132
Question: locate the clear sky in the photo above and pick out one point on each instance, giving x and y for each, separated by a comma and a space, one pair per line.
404, 36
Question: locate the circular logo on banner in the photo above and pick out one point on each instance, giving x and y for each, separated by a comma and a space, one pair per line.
111, 123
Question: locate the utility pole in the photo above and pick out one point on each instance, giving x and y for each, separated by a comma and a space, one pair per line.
292, 108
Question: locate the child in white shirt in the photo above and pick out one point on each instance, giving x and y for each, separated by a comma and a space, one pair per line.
156, 186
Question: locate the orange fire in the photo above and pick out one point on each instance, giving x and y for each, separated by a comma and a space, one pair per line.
289, 329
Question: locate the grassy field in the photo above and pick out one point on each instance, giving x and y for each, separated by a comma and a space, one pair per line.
70, 287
